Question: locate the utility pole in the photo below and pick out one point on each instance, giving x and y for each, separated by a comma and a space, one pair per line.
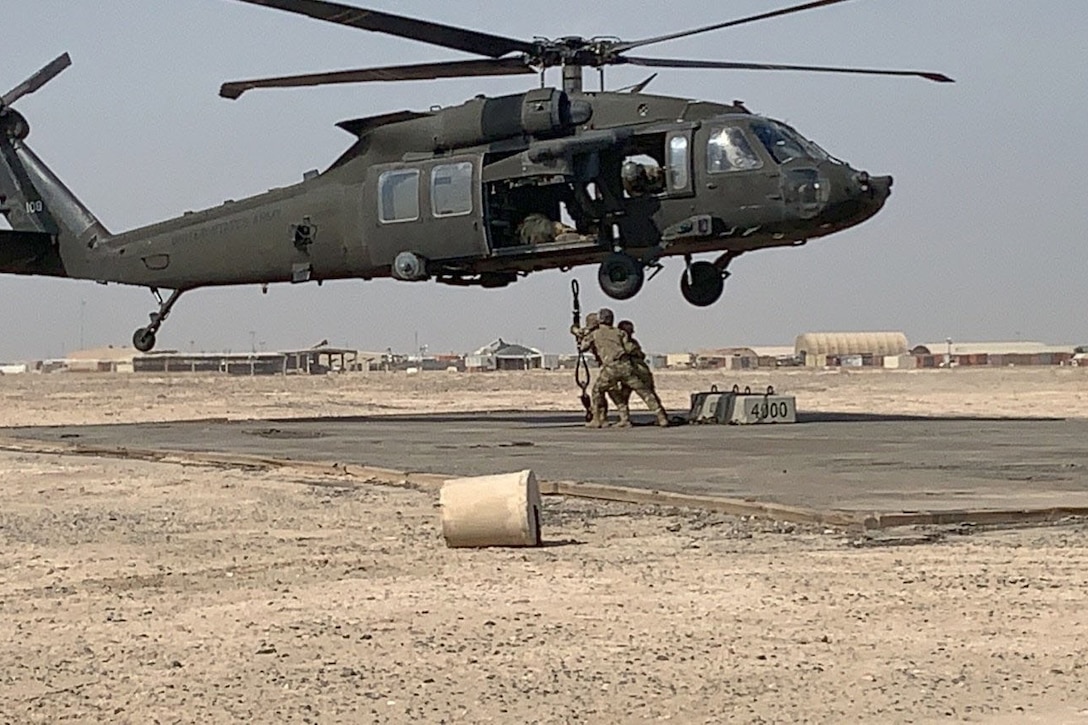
543, 342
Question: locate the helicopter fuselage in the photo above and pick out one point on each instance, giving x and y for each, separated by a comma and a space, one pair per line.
645, 176
477, 194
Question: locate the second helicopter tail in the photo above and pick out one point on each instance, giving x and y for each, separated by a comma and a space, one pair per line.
51, 230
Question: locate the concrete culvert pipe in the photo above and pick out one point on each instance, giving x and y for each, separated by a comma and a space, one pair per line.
498, 510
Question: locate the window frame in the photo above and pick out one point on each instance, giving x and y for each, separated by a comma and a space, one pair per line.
784, 133
670, 166
749, 150
471, 183
413, 172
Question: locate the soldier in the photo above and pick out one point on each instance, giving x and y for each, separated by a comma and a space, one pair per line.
638, 361
536, 229
615, 349
582, 333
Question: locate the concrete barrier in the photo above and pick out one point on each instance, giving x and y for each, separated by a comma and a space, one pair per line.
498, 510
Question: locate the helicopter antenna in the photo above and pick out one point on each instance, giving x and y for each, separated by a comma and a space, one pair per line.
640, 86
510, 56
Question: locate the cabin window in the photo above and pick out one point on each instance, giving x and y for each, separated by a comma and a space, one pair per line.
729, 150
398, 196
678, 162
451, 189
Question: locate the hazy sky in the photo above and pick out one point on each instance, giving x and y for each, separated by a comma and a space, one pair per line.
985, 236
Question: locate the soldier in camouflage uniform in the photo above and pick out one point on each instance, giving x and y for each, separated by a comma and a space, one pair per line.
638, 361
617, 393
615, 349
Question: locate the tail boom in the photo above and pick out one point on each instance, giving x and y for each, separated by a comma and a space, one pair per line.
52, 232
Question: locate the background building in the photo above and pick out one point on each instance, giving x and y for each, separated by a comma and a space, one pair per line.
850, 349
941, 354
502, 355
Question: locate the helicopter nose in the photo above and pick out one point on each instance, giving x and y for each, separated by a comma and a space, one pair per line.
856, 197
880, 187
875, 187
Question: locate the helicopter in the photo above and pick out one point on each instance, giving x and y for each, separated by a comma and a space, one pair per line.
481, 193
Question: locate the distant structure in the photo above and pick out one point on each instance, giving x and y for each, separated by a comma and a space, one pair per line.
502, 355
679, 360
314, 361
850, 349
962, 354
101, 360
819, 350
745, 358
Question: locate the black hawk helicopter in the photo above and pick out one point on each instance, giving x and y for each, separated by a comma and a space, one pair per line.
476, 194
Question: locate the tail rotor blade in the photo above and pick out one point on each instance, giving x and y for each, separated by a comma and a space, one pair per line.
36, 81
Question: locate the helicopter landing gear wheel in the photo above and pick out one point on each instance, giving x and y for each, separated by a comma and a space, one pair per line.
702, 283
621, 276
143, 340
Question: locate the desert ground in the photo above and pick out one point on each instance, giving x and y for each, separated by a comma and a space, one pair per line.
137, 592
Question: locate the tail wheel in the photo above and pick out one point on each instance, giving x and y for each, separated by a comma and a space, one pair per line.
621, 276
702, 284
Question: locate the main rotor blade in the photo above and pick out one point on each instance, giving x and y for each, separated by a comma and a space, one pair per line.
727, 65
36, 81
447, 36
422, 71
620, 47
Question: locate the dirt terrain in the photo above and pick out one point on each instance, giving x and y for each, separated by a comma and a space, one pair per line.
135, 592
87, 398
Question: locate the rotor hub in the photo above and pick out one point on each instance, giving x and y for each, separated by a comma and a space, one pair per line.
13, 125
572, 50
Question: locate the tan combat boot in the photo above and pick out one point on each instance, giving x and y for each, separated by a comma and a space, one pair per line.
625, 417
662, 418
597, 421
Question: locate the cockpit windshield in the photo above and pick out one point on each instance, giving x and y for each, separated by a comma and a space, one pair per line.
781, 143
784, 144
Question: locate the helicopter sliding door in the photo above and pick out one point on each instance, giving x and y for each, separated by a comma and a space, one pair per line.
430, 208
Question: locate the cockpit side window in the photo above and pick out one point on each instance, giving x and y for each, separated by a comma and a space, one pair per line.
780, 143
728, 150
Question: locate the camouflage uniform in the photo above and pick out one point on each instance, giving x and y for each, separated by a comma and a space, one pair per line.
536, 229
638, 361
615, 349
617, 394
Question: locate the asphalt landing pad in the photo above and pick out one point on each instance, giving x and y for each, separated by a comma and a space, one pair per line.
826, 462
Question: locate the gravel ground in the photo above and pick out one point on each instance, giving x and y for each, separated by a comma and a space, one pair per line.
135, 592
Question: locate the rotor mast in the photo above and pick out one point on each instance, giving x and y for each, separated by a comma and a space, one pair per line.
572, 78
